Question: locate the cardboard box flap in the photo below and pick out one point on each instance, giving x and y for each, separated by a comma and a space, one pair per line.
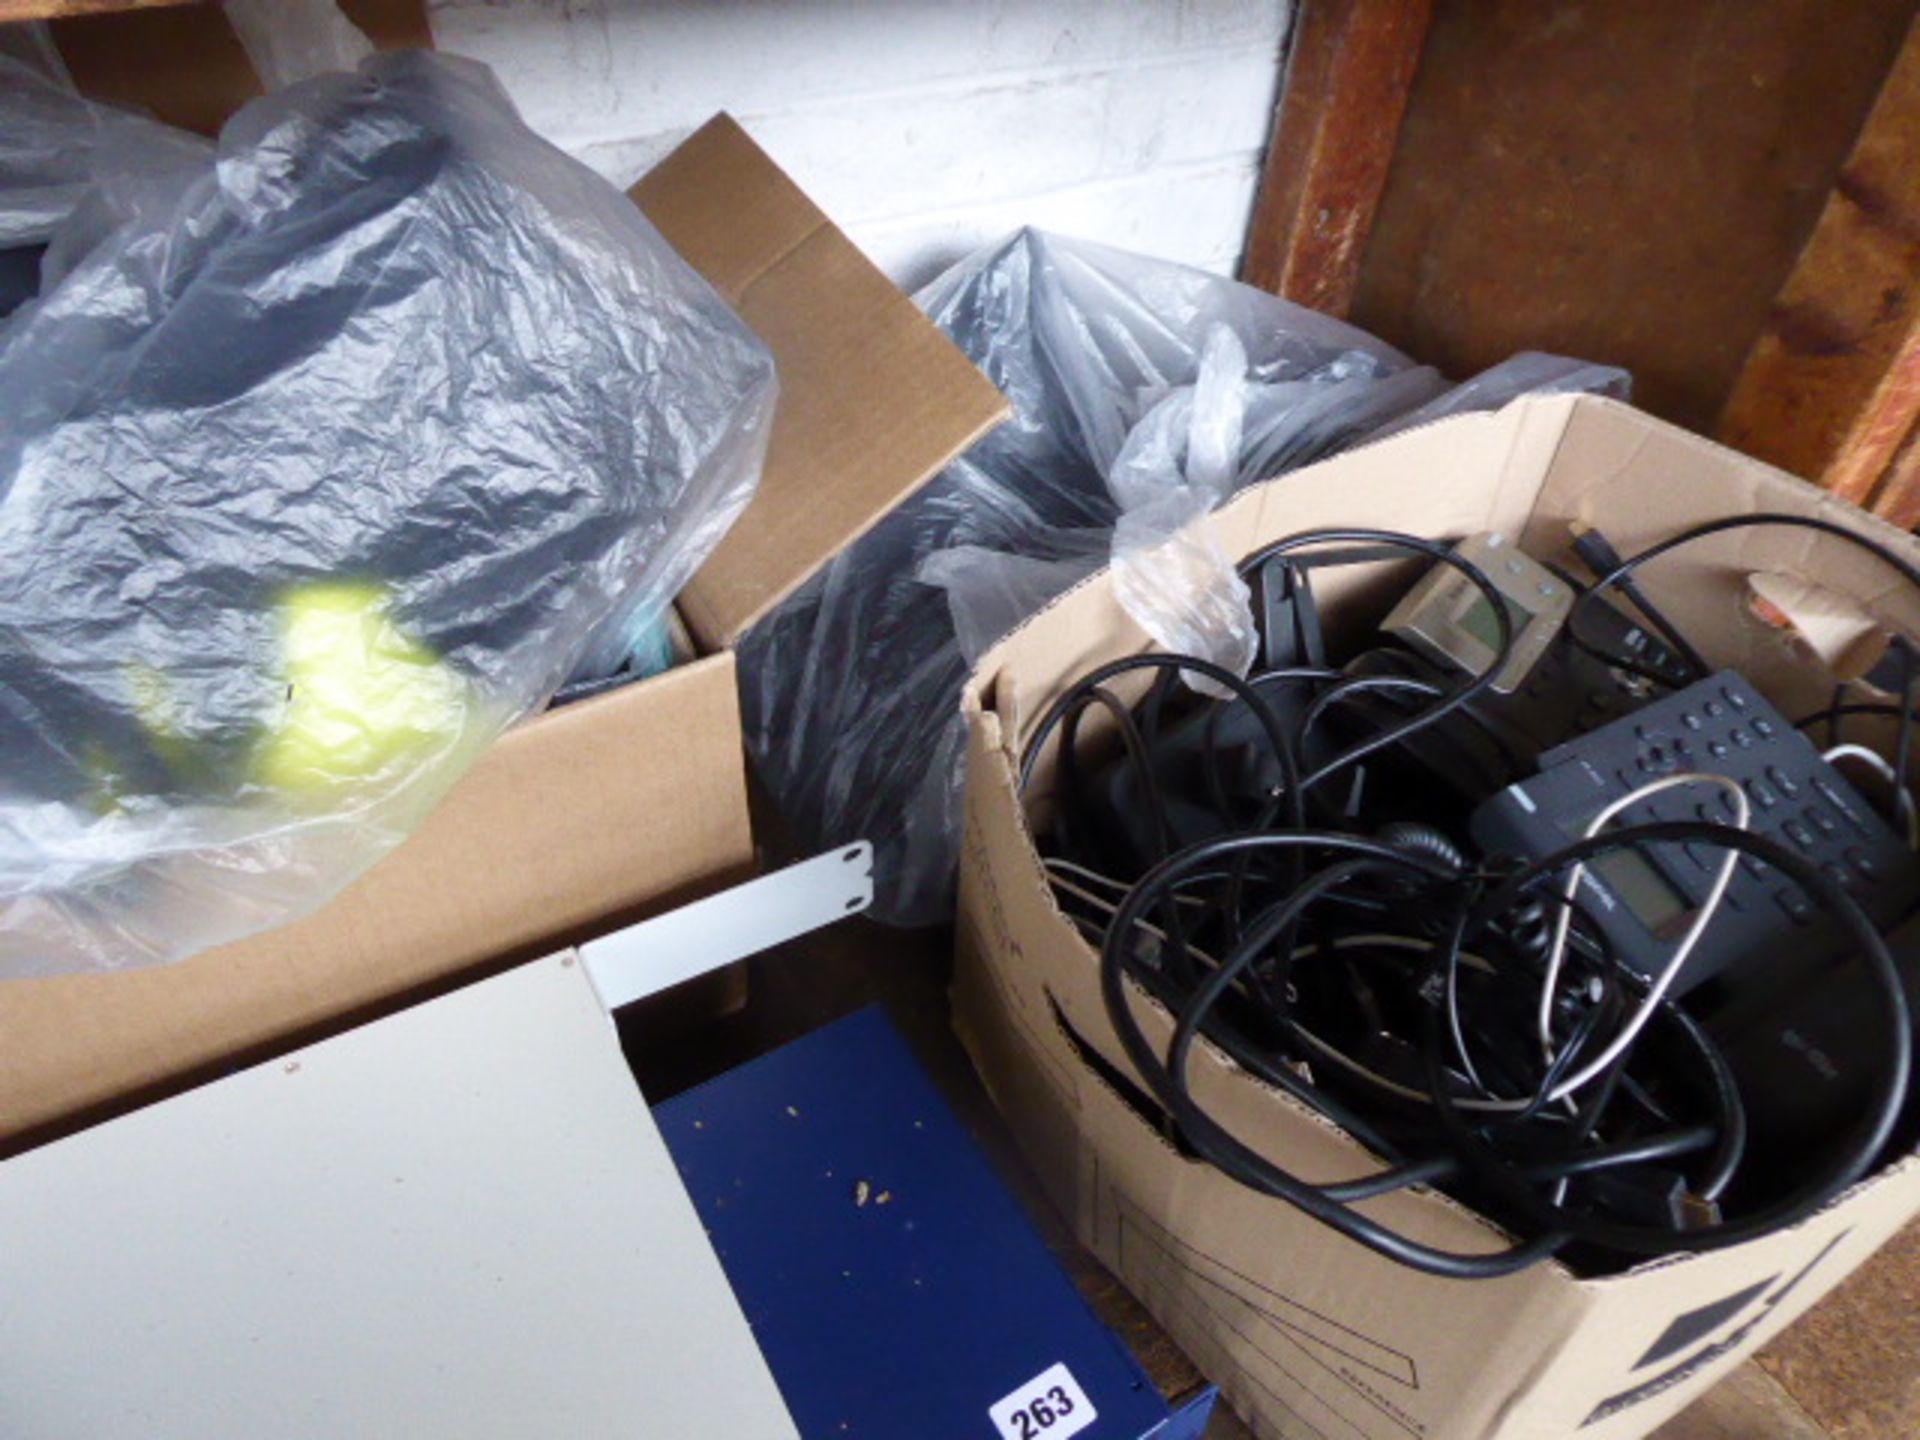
873, 399
1616, 467
535, 844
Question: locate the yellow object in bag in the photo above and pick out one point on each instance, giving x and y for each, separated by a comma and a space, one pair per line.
362, 697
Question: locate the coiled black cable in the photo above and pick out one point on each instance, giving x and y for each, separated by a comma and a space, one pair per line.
1620, 573
1433, 550
1212, 1140
1858, 1147
1532, 1136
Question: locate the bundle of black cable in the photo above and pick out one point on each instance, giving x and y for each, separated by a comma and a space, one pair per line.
1271, 869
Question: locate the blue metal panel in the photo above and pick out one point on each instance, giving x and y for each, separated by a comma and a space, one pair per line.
1189, 1419
896, 1288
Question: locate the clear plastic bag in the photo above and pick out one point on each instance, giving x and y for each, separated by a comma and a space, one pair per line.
1143, 394
56, 147
292, 40
317, 473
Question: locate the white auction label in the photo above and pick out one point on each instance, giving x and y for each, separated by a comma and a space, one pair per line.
1051, 1406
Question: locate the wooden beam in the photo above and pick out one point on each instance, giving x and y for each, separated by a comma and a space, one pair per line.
1832, 387
1898, 498
63, 9
185, 65
1345, 90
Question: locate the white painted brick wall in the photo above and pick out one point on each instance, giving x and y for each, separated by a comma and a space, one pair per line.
925, 127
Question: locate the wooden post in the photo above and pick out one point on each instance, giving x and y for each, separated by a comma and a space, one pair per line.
1831, 389
1345, 91
1898, 498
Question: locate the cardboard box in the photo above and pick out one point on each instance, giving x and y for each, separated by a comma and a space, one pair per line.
1306, 1332
874, 400
583, 818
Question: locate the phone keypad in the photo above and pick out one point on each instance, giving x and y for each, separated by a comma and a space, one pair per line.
1795, 798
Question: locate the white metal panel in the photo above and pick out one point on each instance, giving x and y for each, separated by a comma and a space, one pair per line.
459, 1222
647, 958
